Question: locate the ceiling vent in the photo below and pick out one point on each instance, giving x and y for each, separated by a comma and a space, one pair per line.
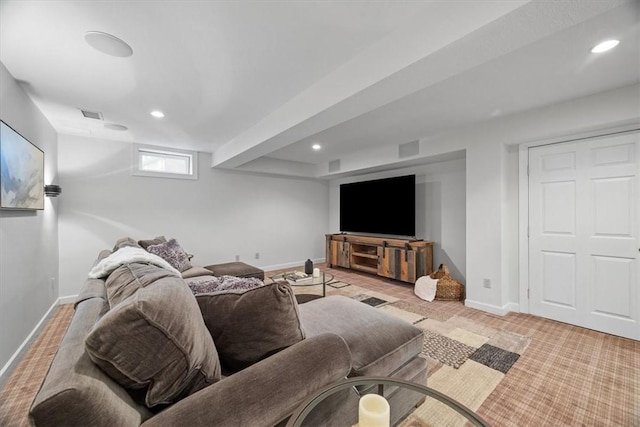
334, 166
91, 114
409, 149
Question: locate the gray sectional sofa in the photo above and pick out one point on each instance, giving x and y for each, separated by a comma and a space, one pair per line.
141, 349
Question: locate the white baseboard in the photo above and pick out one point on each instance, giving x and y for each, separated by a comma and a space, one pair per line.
69, 299
490, 308
291, 264
26, 341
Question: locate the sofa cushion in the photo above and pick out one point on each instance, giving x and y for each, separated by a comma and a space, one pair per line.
379, 343
173, 253
155, 241
156, 339
124, 242
127, 279
250, 325
75, 391
196, 271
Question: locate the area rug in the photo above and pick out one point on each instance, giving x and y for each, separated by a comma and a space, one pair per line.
466, 359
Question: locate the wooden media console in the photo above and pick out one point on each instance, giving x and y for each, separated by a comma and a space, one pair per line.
400, 259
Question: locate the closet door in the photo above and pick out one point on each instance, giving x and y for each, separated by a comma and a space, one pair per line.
584, 215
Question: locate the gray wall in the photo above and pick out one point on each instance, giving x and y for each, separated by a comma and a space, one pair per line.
219, 216
28, 239
440, 209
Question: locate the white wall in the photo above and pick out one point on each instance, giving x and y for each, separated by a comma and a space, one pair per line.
28, 239
491, 198
220, 215
440, 209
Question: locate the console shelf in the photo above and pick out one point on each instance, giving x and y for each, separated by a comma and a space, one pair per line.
399, 259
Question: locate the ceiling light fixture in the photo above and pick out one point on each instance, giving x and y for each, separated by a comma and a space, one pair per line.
157, 114
605, 46
316, 147
107, 43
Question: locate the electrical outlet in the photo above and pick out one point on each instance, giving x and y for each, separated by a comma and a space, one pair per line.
257, 255
487, 283
237, 258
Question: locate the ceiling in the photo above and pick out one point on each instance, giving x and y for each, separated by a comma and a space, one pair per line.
248, 80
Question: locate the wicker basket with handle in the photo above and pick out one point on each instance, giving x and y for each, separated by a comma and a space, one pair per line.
448, 289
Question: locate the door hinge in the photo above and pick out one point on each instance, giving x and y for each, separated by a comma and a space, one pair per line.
527, 170
527, 231
528, 294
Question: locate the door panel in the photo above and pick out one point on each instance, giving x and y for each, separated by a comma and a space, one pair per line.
584, 209
558, 279
396, 263
340, 253
613, 292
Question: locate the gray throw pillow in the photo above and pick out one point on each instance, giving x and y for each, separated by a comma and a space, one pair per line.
125, 241
173, 253
196, 271
127, 279
156, 340
250, 325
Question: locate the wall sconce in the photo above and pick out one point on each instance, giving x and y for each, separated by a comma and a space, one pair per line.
52, 190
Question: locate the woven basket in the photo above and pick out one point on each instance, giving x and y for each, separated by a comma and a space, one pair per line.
448, 289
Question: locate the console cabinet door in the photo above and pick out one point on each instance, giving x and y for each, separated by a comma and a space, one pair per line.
340, 254
397, 263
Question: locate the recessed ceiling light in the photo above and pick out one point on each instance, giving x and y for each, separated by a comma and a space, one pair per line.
157, 114
605, 46
316, 147
115, 126
107, 43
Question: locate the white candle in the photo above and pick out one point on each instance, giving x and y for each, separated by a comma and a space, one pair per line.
373, 411
316, 272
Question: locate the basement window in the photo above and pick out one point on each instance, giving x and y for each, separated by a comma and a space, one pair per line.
164, 162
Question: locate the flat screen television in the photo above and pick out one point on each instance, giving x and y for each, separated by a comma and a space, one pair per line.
21, 171
381, 206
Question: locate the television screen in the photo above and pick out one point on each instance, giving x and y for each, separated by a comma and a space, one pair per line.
381, 206
21, 171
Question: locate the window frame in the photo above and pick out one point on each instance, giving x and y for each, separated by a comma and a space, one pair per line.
139, 149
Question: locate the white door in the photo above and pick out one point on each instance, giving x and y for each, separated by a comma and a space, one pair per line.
584, 222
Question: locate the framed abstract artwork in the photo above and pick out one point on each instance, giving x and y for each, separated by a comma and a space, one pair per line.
21, 171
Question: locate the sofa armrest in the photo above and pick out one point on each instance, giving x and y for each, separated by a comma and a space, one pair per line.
267, 392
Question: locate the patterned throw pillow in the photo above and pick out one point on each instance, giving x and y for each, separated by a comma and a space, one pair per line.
173, 253
155, 241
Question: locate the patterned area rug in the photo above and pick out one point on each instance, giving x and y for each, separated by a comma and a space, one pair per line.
466, 359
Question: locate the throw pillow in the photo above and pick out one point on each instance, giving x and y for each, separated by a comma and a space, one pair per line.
156, 340
250, 325
155, 241
127, 279
124, 242
173, 253
196, 271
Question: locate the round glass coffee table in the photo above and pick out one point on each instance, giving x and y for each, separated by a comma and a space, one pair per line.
298, 417
323, 279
